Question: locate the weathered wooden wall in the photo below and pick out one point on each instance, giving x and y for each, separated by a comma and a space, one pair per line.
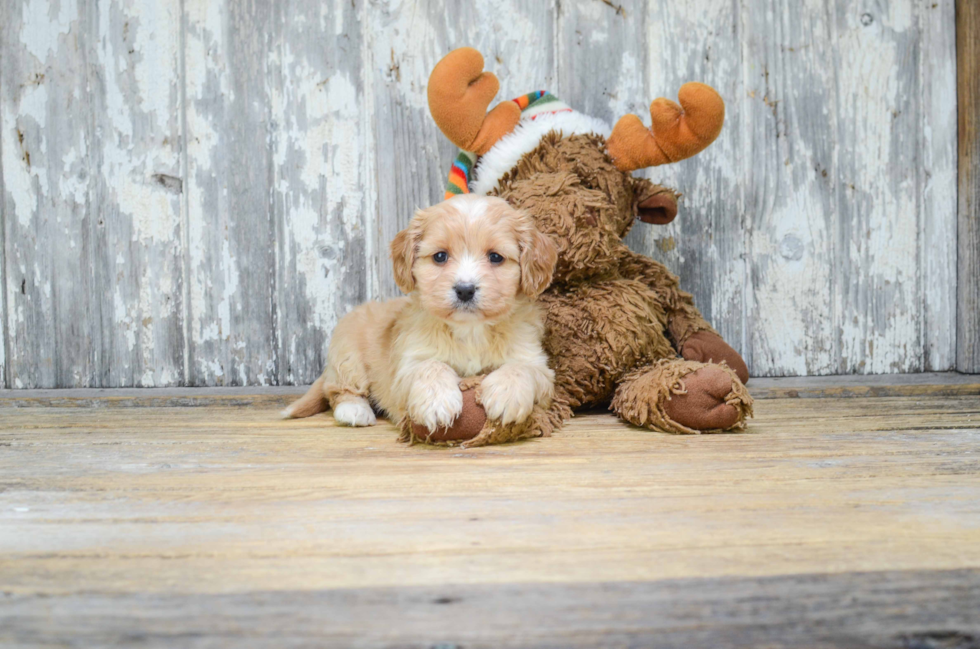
968, 254
194, 191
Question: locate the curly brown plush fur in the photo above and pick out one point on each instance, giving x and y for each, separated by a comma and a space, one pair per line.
616, 320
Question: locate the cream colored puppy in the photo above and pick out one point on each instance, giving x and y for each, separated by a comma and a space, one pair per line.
471, 267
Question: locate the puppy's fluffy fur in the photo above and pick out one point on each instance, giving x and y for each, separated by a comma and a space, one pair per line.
406, 356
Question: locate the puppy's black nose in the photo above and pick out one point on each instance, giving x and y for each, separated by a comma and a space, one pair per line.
465, 292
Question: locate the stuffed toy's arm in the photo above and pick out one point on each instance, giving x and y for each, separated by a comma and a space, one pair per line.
683, 318
695, 339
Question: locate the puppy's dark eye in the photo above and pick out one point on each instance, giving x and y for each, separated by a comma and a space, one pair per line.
495, 258
440, 257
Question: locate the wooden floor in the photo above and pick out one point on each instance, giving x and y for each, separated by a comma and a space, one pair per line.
833, 521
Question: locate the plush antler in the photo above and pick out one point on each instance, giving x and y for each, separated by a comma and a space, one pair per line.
677, 132
459, 93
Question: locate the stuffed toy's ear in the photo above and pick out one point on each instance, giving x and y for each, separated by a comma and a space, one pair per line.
654, 203
403, 248
676, 132
538, 258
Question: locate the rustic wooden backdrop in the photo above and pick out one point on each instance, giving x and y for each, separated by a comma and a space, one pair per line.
194, 191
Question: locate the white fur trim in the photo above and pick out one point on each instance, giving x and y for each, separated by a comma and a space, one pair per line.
506, 153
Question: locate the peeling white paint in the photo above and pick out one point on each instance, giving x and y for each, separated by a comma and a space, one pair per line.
152, 211
45, 21
124, 318
73, 181
22, 124
212, 368
229, 294
156, 43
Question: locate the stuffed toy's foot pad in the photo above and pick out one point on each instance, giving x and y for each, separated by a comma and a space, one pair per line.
680, 396
704, 406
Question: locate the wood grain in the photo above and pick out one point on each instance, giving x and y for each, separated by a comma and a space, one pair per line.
826, 518
926, 384
4, 335
874, 234
885, 609
936, 167
91, 141
231, 278
968, 84
320, 167
207, 397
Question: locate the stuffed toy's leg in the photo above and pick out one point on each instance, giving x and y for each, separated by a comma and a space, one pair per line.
693, 337
682, 396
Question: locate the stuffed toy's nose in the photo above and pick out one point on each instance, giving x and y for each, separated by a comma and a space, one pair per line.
659, 209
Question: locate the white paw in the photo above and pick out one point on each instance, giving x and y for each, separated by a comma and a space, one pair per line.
354, 413
436, 406
505, 399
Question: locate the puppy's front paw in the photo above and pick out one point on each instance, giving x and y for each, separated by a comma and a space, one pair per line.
506, 398
354, 413
436, 405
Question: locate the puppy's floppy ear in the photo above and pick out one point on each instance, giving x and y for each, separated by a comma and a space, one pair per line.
403, 250
538, 258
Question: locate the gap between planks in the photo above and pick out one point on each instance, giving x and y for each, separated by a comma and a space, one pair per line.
939, 384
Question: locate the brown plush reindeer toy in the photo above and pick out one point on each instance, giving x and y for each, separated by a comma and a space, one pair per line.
619, 330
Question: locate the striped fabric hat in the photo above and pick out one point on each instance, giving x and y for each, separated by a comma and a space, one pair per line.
532, 105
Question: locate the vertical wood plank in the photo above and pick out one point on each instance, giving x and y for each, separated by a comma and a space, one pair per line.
850, 192
705, 245
4, 335
90, 131
968, 282
139, 252
935, 164
878, 289
936, 205
789, 154
403, 41
27, 141
230, 181
320, 165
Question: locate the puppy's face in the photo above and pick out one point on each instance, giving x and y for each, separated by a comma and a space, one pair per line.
471, 257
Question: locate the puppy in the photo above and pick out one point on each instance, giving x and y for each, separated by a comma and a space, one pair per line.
471, 267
